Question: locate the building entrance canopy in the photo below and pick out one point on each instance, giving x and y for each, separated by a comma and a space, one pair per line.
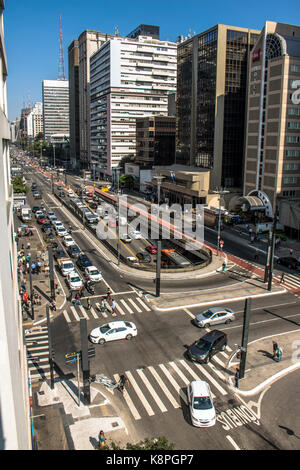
254, 203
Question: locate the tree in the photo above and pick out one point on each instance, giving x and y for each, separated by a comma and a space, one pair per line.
127, 181
126, 159
19, 186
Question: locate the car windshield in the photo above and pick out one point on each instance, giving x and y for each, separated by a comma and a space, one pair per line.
94, 271
75, 279
207, 314
68, 265
104, 329
202, 345
202, 403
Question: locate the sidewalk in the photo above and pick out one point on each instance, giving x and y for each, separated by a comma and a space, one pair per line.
261, 369
239, 290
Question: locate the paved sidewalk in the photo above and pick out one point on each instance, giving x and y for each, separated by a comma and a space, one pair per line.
239, 290
261, 369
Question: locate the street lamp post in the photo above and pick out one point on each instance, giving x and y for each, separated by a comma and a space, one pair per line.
158, 256
221, 193
31, 289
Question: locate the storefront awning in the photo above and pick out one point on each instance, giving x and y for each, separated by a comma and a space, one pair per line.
254, 202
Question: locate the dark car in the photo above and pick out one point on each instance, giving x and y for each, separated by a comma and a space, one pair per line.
206, 347
35, 209
74, 251
144, 257
289, 261
46, 227
60, 188
62, 194
83, 262
59, 253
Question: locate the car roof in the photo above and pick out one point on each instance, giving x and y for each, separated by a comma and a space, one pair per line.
200, 388
212, 335
116, 324
217, 309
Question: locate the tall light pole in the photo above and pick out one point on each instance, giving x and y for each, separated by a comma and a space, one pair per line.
221, 193
158, 256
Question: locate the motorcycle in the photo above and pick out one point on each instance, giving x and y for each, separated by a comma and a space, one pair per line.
90, 288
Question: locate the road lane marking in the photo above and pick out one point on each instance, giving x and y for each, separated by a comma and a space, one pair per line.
232, 442
158, 401
119, 308
174, 383
93, 313
126, 306
73, 310
66, 316
135, 306
191, 372
82, 309
181, 375
163, 387
139, 393
143, 304
211, 379
128, 400
186, 310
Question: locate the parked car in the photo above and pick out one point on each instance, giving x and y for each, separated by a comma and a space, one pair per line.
113, 331
202, 410
143, 257
41, 219
74, 281
125, 238
35, 209
206, 347
93, 274
46, 226
59, 253
289, 261
50, 214
214, 316
68, 240
83, 262
38, 213
152, 249
74, 251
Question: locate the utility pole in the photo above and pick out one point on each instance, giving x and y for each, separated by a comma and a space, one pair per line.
221, 193
85, 365
51, 352
245, 335
31, 290
271, 263
51, 272
158, 256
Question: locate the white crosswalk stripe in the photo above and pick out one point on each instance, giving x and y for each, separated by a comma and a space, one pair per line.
163, 387
152, 391
126, 306
134, 305
139, 393
66, 316
73, 310
143, 304
120, 309
128, 400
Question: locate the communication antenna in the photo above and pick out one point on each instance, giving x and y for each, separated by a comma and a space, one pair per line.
61, 62
116, 31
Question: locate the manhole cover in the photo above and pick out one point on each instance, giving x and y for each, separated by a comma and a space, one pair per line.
114, 425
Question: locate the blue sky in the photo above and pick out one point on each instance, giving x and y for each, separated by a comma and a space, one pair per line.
32, 30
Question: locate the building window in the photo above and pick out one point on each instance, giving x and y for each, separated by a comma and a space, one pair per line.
293, 125
289, 180
293, 139
294, 111
290, 166
295, 68
292, 153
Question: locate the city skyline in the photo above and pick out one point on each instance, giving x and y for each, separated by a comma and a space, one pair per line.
35, 60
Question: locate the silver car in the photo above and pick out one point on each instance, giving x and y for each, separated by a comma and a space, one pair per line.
214, 316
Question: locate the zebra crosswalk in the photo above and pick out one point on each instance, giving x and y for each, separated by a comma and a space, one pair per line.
161, 388
37, 346
291, 281
123, 306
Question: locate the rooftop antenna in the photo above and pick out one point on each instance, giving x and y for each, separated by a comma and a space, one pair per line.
116, 30
61, 62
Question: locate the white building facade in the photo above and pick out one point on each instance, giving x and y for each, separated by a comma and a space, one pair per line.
35, 120
129, 78
14, 399
55, 108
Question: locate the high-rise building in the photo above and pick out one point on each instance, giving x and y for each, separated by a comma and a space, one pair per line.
155, 140
130, 78
35, 120
145, 30
55, 108
14, 397
73, 54
272, 154
211, 102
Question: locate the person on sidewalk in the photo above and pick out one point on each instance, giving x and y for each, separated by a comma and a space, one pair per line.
101, 439
275, 347
53, 305
278, 354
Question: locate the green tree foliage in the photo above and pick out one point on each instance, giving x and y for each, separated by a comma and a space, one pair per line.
127, 181
19, 186
154, 443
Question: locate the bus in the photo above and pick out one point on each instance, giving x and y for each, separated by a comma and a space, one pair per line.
171, 257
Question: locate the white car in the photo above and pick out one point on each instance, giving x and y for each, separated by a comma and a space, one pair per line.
68, 240
57, 223
61, 231
74, 280
93, 274
53, 219
112, 331
203, 413
135, 234
38, 213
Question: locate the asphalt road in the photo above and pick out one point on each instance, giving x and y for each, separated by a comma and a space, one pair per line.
159, 370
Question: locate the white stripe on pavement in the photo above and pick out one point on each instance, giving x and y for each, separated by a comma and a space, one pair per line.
191, 372
174, 383
128, 400
219, 374
104, 314
139, 393
134, 305
120, 310
163, 387
66, 316
158, 401
93, 313
211, 379
143, 304
82, 309
126, 306
73, 310
181, 375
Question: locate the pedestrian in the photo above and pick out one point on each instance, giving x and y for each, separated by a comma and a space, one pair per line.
275, 347
39, 266
256, 255
237, 377
102, 304
33, 268
28, 246
53, 305
291, 251
113, 306
71, 295
89, 303
122, 382
77, 299
278, 354
101, 439
224, 267
282, 278
108, 296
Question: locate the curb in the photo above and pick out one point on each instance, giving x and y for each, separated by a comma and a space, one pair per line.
233, 299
